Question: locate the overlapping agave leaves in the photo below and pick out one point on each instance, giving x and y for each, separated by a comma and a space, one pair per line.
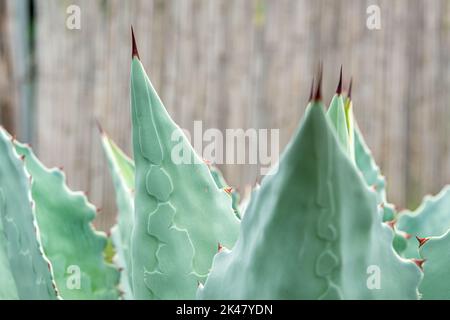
361, 155
435, 262
73, 247
122, 171
25, 271
338, 116
425, 238
319, 228
180, 213
430, 219
47, 235
318, 217
221, 183
427, 232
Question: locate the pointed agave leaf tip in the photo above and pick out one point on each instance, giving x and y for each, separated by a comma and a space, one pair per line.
419, 262
219, 247
134, 52
311, 92
349, 94
318, 95
99, 127
339, 87
421, 241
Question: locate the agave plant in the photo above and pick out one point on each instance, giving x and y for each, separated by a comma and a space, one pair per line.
319, 227
48, 247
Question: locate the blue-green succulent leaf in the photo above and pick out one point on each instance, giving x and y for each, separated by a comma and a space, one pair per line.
180, 213
368, 167
123, 175
337, 115
74, 247
25, 271
319, 211
430, 219
436, 280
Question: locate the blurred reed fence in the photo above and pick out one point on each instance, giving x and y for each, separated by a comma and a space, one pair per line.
232, 64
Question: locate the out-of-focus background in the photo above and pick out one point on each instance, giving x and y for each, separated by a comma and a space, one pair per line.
232, 64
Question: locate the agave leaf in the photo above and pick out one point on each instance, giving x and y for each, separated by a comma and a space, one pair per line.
109, 251
400, 242
180, 213
373, 177
74, 248
122, 171
361, 154
430, 219
120, 164
121, 263
318, 209
368, 167
25, 271
350, 120
246, 198
221, 183
389, 215
436, 279
8, 289
336, 114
